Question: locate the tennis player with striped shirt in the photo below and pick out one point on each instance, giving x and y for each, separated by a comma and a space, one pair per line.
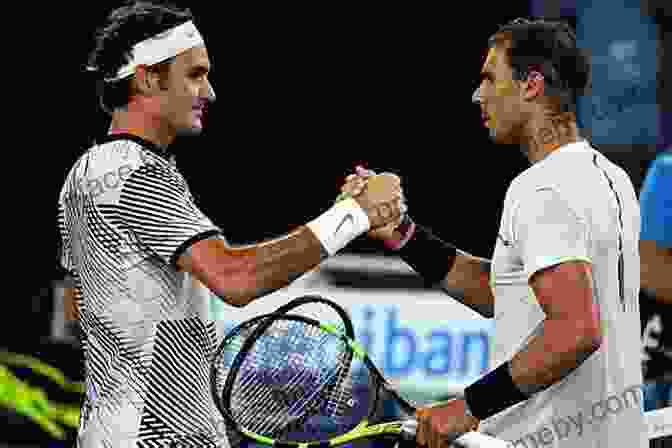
563, 283
144, 258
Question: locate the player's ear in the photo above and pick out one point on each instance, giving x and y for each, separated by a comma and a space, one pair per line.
534, 85
146, 80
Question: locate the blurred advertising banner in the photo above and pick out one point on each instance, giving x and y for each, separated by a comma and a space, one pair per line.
427, 343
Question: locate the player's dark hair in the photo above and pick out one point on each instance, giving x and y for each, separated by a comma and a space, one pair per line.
125, 27
549, 47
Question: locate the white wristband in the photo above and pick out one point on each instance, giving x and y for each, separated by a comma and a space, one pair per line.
339, 225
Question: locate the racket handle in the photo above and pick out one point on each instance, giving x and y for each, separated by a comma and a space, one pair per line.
475, 439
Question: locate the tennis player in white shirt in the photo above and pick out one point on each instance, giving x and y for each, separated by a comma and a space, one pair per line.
563, 282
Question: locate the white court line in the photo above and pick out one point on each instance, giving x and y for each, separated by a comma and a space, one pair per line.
659, 422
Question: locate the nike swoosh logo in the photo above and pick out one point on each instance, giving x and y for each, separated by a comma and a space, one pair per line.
346, 218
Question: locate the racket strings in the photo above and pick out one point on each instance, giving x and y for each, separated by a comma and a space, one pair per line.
281, 418
275, 397
293, 373
291, 386
285, 396
339, 400
223, 360
314, 417
314, 307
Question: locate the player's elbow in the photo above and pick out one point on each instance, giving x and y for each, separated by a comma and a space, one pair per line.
236, 289
234, 301
229, 274
238, 299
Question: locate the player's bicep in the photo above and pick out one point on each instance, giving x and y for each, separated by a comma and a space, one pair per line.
565, 292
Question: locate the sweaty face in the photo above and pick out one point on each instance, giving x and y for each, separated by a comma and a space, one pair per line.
186, 91
499, 98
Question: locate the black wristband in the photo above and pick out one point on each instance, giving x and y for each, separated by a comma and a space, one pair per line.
428, 255
493, 393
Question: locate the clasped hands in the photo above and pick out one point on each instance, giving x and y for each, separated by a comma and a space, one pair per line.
440, 423
381, 197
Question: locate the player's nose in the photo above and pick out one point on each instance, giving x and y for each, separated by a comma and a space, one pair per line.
210, 95
476, 97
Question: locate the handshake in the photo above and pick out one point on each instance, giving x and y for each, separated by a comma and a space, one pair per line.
382, 199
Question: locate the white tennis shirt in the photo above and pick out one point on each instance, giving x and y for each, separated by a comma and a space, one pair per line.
126, 214
573, 205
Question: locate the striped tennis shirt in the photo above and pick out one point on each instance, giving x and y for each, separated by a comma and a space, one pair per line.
125, 216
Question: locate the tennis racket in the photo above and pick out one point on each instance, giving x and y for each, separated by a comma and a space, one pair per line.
311, 305
298, 382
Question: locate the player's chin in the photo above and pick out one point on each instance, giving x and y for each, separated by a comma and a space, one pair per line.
500, 137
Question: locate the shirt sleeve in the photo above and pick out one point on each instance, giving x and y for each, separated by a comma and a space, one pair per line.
548, 232
656, 202
156, 206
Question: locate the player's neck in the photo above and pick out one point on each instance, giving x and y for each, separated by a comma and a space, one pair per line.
546, 132
139, 123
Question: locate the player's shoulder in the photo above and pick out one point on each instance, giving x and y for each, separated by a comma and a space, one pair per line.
534, 178
568, 172
120, 156
110, 161
125, 150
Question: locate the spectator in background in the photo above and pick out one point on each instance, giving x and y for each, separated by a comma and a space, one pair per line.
656, 278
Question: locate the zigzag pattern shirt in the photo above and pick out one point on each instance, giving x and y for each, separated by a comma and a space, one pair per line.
125, 215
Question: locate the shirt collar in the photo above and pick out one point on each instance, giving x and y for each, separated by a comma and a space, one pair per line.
575, 147
146, 144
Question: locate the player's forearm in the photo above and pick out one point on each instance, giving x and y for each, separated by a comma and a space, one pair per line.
278, 263
468, 282
240, 275
461, 275
549, 357
260, 269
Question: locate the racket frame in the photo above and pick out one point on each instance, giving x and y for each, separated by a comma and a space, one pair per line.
361, 431
308, 299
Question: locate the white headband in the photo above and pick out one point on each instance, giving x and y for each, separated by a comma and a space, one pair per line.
161, 47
